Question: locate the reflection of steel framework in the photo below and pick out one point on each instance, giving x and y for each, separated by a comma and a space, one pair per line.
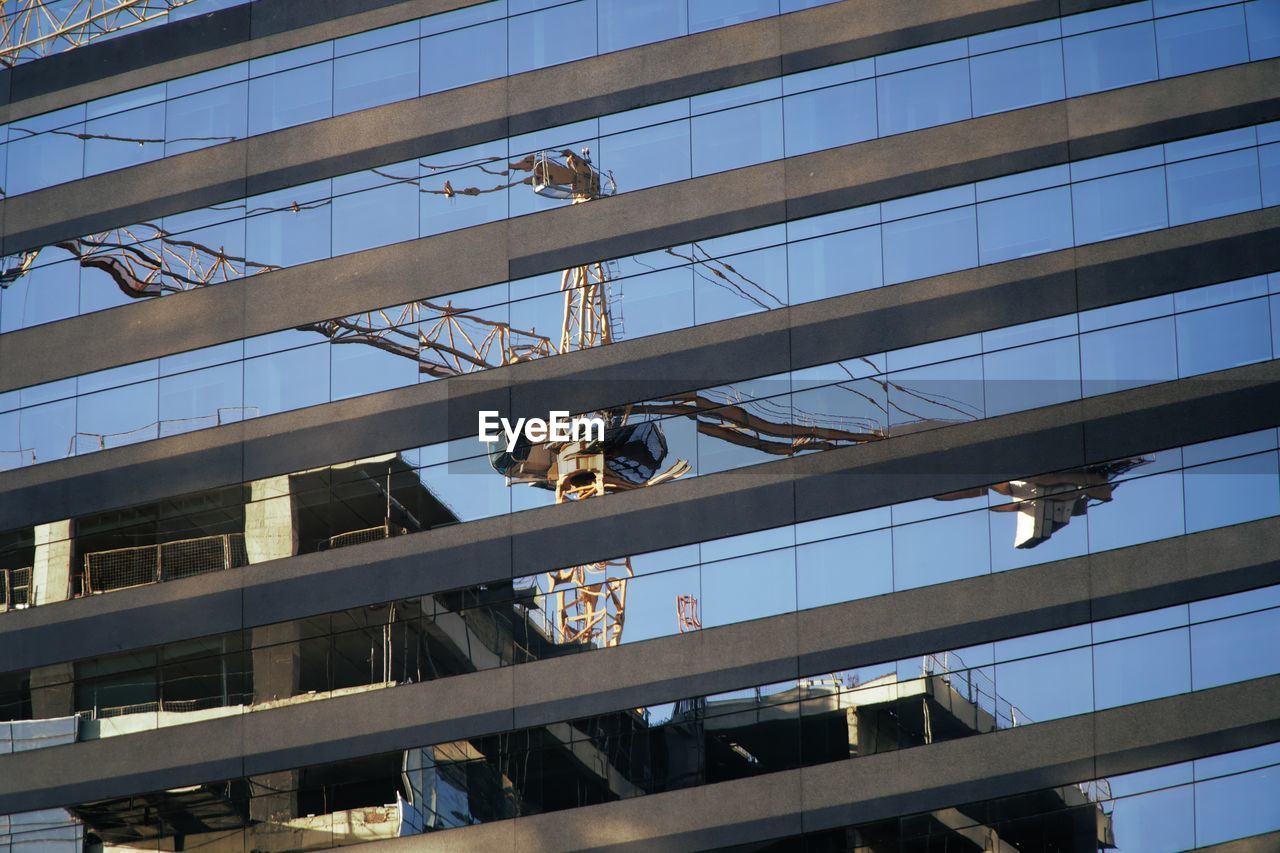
687, 614
31, 29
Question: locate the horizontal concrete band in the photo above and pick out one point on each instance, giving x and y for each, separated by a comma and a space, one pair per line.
493, 109
647, 368
879, 787
1099, 123
906, 468
900, 625
193, 45
641, 221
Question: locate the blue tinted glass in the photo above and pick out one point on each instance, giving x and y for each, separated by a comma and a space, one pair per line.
375, 217
1031, 376
1263, 20
358, 368
1269, 166
1022, 225
45, 433
206, 118
1223, 337
1237, 806
1119, 205
462, 57
1128, 356
375, 77
940, 550
710, 14
124, 139
923, 97
930, 245
286, 380
201, 398
291, 97
739, 285
1201, 40
551, 36
741, 136
1109, 59
1143, 509
291, 226
35, 162
1141, 668
647, 156
1213, 186
834, 265
117, 417
627, 23
1232, 491
826, 118
1017, 78
844, 569
43, 295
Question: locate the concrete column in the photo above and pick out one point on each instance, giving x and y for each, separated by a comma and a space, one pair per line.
270, 520
51, 570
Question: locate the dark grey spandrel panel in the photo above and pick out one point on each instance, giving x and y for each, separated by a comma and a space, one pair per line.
1178, 258
378, 721
118, 766
1224, 719
1191, 410
634, 522
928, 159
305, 585
644, 75
1253, 844
1075, 7
651, 368
939, 461
377, 136
1179, 107
124, 476
648, 219
1200, 565
126, 196
130, 52
126, 334
841, 32
270, 17
6, 82
938, 308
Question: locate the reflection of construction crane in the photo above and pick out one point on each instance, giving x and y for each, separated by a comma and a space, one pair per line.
1047, 502
30, 29
687, 615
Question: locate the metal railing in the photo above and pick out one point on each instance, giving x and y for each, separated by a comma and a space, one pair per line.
121, 568
15, 588
368, 534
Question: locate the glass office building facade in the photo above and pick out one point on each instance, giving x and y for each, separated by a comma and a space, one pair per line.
938, 351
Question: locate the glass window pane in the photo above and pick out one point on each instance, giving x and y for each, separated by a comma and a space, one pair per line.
1237, 806
1232, 491
292, 97
43, 295
834, 265
287, 380
647, 156
462, 57
844, 569
206, 118
923, 97
290, 227
940, 550
1263, 22
930, 245
742, 136
1022, 225
374, 77
1201, 40
1235, 649
1223, 337
1109, 59
201, 398
827, 118
117, 417
1141, 668
1017, 78
379, 216
1043, 688
627, 23
1213, 186
555, 35
710, 14
1128, 356
45, 432
1141, 509
1031, 376
748, 588
42, 160
740, 285
1119, 205
360, 367
124, 139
